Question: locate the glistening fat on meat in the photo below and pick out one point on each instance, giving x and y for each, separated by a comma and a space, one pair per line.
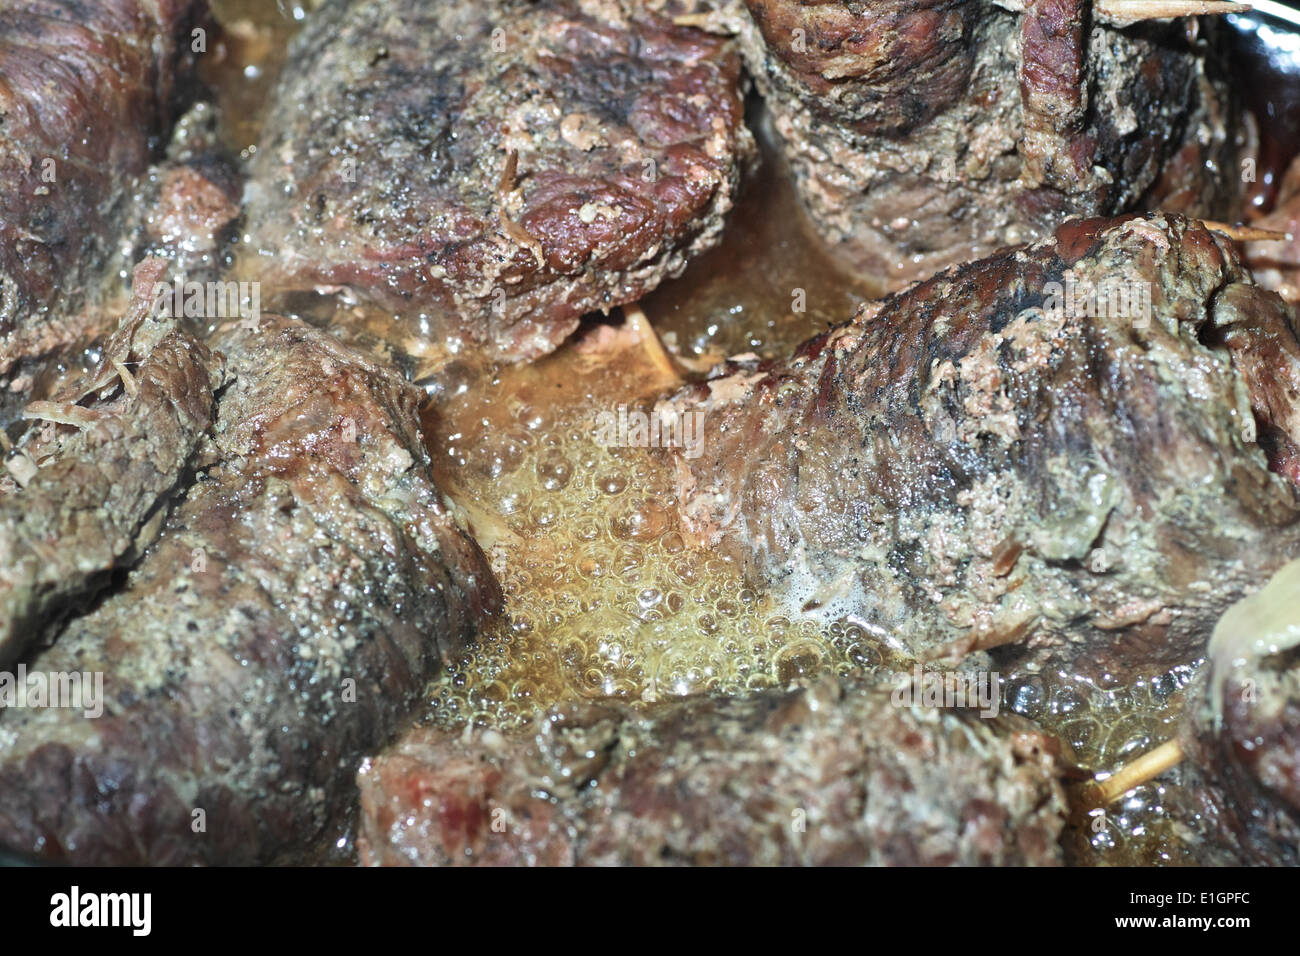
86, 90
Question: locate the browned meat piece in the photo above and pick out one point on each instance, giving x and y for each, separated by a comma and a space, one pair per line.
284, 624
79, 507
1242, 731
86, 90
923, 133
1059, 447
1276, 264
504, 166
1262, 342
833, 774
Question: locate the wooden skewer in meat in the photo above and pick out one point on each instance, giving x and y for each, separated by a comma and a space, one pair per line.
1246, 233
1153, 763
1264, 624
1125, 12
1277, 264
654, 348
1119, 12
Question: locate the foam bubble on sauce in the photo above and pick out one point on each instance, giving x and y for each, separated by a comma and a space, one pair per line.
604, 597
1108, 726
835, 604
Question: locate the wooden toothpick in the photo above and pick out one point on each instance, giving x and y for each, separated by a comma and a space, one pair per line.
1153, 763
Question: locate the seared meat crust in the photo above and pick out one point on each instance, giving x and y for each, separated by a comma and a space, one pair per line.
834, 774
84, 503
283, 625
87, 89
925, 133
1241, 728
988, 459
503, 166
